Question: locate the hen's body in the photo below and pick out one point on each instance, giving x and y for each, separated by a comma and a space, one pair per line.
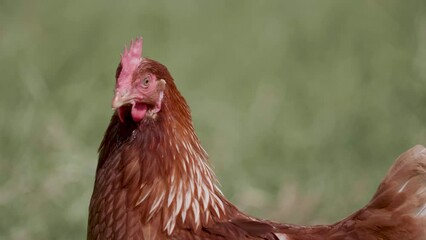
153, 181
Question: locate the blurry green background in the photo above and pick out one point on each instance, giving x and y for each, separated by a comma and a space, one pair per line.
302, 105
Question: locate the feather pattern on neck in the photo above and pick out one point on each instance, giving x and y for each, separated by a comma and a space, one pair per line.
184, 190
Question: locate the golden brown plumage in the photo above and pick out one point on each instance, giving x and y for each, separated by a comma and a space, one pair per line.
153, 180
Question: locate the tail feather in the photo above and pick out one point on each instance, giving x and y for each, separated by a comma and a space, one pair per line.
404, 188
398, 208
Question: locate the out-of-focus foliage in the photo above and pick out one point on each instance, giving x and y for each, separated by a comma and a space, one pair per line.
302, 105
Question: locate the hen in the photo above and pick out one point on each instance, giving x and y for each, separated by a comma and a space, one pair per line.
153, 180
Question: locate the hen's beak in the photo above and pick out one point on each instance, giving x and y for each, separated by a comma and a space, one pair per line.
120, 99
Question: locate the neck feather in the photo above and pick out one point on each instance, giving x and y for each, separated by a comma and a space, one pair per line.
185, 191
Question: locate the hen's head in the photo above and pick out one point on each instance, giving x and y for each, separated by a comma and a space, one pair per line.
140, 85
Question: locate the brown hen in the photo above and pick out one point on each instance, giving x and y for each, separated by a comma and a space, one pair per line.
153, 179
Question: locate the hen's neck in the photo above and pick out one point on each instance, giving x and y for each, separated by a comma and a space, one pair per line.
166, 171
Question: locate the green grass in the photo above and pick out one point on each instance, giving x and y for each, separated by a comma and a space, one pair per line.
302, 105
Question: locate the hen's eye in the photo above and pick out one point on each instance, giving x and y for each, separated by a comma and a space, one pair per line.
145, 81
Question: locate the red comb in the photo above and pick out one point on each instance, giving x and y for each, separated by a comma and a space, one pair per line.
130, 60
